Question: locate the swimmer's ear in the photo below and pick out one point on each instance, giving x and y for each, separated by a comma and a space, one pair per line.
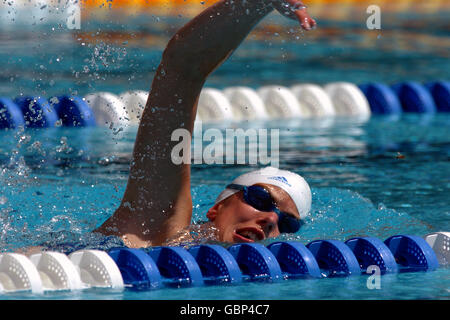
213, 211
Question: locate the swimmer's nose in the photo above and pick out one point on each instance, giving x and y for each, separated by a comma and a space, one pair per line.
268, 222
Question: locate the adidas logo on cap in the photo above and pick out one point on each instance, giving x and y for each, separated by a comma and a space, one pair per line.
281, 179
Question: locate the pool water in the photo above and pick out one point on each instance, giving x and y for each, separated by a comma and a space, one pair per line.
119, 55
379, 177
58, 184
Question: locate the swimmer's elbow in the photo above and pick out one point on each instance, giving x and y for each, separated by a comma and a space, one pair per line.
187, 60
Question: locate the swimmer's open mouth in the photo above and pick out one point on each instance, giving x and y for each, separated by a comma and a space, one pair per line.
248, 235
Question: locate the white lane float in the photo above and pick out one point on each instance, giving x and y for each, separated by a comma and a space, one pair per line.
9, 12
213, 105
315, 99
198, 122
109, 110
97, 269
39, 11
280, 102
348, 99
30, 13
18, 273
246, 103
67, 12
440, 243
57, 271
134, 102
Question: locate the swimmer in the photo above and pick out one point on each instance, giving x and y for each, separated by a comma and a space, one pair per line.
157, 206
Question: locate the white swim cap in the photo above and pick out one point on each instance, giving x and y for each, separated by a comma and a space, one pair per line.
297, 188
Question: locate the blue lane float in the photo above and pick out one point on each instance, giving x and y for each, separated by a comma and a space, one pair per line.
37, 112
412, 253
216, 264
256, 261
158, 267
334, 257
11, 116
213, 264
74, 112
372, 251
295, 259
441, 94
382, 99
177, 266
137, 268
414, 97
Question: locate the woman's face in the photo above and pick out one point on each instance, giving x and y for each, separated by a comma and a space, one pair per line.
238, 221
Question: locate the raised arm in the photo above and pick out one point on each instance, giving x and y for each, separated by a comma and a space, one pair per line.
157, 201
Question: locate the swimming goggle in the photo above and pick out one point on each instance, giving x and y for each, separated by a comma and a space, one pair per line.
260, 199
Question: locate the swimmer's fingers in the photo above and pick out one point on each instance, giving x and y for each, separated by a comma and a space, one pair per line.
295, 9
305, 19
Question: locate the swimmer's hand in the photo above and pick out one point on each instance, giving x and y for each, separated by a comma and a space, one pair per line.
295, 9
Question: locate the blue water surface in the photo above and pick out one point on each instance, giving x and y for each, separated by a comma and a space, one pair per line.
375, 177
59, 184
